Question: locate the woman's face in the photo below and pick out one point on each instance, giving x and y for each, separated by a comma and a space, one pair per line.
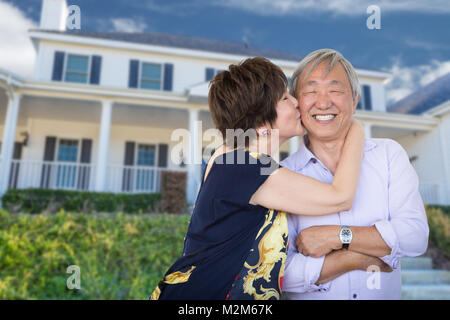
288, 120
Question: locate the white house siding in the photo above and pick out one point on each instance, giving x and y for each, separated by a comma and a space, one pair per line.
429, 164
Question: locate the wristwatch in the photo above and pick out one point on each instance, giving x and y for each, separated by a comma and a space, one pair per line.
346, 236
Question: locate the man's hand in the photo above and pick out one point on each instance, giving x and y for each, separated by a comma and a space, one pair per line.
317, 241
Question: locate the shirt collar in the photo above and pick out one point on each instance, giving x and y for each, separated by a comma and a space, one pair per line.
305, 155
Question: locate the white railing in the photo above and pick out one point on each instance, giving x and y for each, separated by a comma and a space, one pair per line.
135, 179
430, 193
51, 175
79, 176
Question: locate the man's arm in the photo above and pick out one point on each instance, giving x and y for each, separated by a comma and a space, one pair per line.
317, 241
338, 262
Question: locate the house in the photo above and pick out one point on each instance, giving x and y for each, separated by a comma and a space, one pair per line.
106, 111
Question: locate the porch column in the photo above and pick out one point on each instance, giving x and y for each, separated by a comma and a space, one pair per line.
294, 144
194, 158
103, 146
9, 134
367, 130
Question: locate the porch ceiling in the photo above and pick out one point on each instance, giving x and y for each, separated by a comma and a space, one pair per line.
64, 109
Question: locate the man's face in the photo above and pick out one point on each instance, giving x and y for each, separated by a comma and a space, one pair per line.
326, 103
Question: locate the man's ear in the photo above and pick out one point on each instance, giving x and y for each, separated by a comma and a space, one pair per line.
355, 103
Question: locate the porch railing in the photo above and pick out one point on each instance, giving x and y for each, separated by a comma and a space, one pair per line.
430, 193
51, 175
135, 179
79, 176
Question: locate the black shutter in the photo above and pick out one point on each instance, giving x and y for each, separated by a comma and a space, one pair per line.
14, 173
85, 158
96, 67
133, 74
168, 76
58, 65
209, 74
128, 173
162, 155
49, 156
367, 97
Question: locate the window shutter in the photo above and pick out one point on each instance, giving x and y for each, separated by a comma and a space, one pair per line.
96, 67
49, 156
134, 74
168, 76
58, 65
367, 97
162, 155
84, 171
128, 173
209, 74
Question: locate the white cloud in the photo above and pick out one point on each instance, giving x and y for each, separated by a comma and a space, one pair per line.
128, 25
406, 80
336, 7
16, 50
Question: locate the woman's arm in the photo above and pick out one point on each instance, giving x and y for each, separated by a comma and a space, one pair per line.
286, 190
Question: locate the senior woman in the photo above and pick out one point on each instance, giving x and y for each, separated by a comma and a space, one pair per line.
236, 243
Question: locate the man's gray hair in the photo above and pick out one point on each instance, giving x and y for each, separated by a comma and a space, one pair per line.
331, 57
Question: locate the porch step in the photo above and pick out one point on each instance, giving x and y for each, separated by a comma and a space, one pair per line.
418, 263
425, 292
413, 277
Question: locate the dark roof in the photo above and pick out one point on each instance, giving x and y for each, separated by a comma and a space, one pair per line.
186, 42
425, 98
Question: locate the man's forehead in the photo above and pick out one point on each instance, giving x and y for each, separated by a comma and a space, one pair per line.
336, 74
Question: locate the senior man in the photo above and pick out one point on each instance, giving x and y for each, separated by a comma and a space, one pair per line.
333, 256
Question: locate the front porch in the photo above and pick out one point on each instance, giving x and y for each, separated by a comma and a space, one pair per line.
107, 145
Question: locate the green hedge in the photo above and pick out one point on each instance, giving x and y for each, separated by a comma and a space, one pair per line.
439, 223
445, 209
120, 256
51, 201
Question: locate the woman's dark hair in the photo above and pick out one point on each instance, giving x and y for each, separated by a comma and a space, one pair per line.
245, 96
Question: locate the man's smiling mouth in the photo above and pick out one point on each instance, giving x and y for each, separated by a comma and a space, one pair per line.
324, 117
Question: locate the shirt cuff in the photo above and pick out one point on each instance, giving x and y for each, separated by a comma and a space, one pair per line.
386, 231
312, 273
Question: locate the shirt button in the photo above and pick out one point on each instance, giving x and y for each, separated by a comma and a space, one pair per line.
314, 160
355, 296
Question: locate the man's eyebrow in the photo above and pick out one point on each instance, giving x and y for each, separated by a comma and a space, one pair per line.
336, 82
311, 83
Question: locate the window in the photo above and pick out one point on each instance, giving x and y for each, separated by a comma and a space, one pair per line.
151, 76
67, 172
77, 68
365, 101
145, 177
211, 72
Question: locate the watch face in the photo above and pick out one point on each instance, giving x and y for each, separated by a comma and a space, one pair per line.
346, 235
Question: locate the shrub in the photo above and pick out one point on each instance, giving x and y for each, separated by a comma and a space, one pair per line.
439, 224
50, 201
119, 256
173, 191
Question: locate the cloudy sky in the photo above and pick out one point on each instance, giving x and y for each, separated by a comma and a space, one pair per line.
413, 42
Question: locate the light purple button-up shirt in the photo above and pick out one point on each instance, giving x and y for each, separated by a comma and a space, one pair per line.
387, 197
